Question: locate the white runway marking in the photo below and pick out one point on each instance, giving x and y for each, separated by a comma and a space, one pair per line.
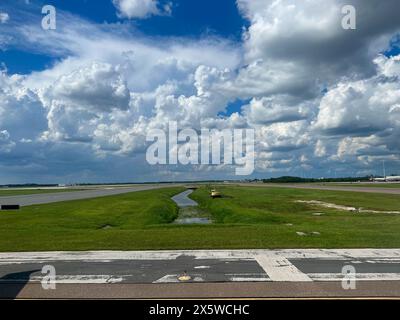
227, 255
245, 279
89, 279
173, 278
279, 268
277, 264
248, 277
358, 276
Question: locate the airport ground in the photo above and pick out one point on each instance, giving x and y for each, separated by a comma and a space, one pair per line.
120, 219
245, 217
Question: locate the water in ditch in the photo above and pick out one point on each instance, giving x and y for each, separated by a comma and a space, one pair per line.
189, 212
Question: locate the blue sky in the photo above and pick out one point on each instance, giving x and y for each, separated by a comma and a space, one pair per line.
192, 19
76, 103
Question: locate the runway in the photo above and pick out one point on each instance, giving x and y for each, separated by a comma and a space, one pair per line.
324, 187
43, 198
210, 273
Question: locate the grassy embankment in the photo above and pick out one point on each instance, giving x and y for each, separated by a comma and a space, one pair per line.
245, 217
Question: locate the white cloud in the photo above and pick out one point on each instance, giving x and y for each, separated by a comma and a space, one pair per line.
94, 106
299, 47
270, 110
320, 149
140, 9
363, 107
4, 17
21, 112
358, 121
96, 87
284, 136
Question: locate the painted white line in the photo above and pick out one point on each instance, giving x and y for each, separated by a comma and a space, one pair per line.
90, 279
173, 278
198, 279
169, 278
358, 276
383, 261
226, 255
248, 277
279, 268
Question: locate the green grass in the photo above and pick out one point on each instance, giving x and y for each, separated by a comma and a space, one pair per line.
366, 185
16, 192
245, 217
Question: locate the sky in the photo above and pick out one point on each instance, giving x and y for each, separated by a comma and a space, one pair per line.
77, 102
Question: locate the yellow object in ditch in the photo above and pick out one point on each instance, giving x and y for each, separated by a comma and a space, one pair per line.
215, 194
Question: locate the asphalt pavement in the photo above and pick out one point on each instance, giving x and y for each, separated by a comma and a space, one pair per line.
43, 198
203, 273
351, 188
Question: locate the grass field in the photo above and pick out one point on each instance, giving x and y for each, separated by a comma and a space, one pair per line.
366, 185
16, 192
245, 217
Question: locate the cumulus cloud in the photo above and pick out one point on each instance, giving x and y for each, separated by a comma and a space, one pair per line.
140, 9
358, 121
318, 97
295, 48
21, 112
112, 86
270, 110
96, 87
364, 107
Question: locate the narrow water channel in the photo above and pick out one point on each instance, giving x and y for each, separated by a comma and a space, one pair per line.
182, 199
189, 212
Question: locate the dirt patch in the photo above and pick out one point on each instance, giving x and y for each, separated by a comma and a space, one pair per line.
105, 227
343, 208
304, 234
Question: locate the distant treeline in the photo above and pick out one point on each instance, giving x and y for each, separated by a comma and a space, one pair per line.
36, 185
289, 179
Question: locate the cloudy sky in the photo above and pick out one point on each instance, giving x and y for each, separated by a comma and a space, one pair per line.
77, 102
